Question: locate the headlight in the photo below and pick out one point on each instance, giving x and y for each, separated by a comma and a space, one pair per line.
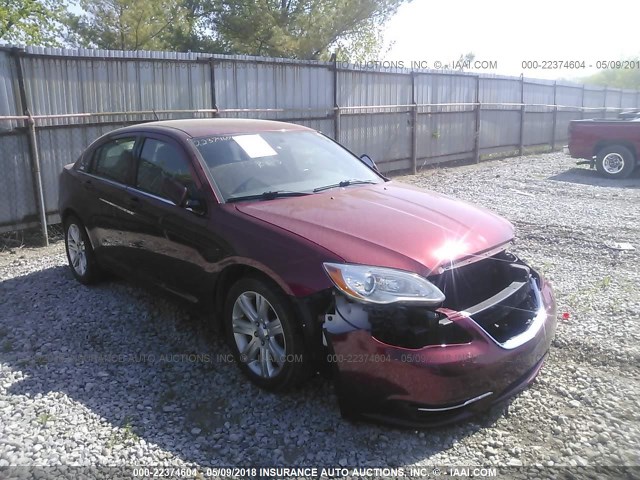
382, 285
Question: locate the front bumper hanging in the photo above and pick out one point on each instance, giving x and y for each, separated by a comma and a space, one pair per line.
419, 367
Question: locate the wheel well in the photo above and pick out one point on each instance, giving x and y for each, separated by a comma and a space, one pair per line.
225, 281
614, 143
67, 213
305, 310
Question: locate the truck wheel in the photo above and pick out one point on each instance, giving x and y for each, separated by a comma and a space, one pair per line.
615, 161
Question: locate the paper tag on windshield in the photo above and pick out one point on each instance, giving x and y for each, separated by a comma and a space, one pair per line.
255, 146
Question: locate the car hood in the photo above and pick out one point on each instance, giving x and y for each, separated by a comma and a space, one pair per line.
390, 224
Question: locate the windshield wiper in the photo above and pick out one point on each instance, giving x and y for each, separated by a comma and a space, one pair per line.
269, 195
344, 183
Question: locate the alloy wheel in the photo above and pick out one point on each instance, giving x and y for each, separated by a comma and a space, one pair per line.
258, 334
77, 249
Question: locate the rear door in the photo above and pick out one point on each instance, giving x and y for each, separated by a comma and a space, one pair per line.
106, 180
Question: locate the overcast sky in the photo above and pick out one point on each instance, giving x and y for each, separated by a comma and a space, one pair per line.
513, 31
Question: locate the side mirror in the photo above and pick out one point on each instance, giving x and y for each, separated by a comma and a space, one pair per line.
195, 205
366, 159
175, 191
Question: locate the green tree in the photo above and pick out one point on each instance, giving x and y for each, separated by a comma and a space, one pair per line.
31, 22
127, 24
305, 29
361, 45
191, 33
618, 77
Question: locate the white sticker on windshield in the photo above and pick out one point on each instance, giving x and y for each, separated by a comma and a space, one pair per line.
255, 146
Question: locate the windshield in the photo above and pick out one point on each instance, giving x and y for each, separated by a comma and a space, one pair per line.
247, 165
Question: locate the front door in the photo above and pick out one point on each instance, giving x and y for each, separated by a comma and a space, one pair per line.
171, 243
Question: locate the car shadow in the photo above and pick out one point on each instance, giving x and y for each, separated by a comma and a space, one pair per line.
155, 370
586, 176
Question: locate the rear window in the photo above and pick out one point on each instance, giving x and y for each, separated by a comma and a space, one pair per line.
113, 160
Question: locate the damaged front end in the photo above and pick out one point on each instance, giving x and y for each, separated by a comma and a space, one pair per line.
426, 363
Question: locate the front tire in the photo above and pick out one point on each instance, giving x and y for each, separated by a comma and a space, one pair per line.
79, 252
615, 162
264, 337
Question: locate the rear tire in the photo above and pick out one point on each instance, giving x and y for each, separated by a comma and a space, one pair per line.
263, 334
80, 254
615, 162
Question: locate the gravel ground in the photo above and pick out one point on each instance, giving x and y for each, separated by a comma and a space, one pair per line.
116, 375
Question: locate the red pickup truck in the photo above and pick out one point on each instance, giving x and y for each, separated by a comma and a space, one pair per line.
611, 146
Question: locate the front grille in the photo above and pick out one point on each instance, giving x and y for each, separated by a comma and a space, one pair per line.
504, 321
498, 292
471, 284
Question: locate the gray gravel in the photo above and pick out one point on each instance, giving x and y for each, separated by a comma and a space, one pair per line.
116, 375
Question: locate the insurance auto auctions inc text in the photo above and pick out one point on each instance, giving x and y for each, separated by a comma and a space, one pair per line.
462, 64
375, 472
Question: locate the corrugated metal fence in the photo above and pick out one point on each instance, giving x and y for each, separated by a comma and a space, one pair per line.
54, 102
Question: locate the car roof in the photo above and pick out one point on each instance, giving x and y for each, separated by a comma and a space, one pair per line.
200, 127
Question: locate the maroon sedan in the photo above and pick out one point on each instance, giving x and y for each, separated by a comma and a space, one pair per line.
308, 257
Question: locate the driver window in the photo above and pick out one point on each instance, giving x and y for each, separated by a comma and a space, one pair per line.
159, 161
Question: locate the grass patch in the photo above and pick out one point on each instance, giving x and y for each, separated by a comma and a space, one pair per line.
43, 418
41, 361
125, 434
605, 282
